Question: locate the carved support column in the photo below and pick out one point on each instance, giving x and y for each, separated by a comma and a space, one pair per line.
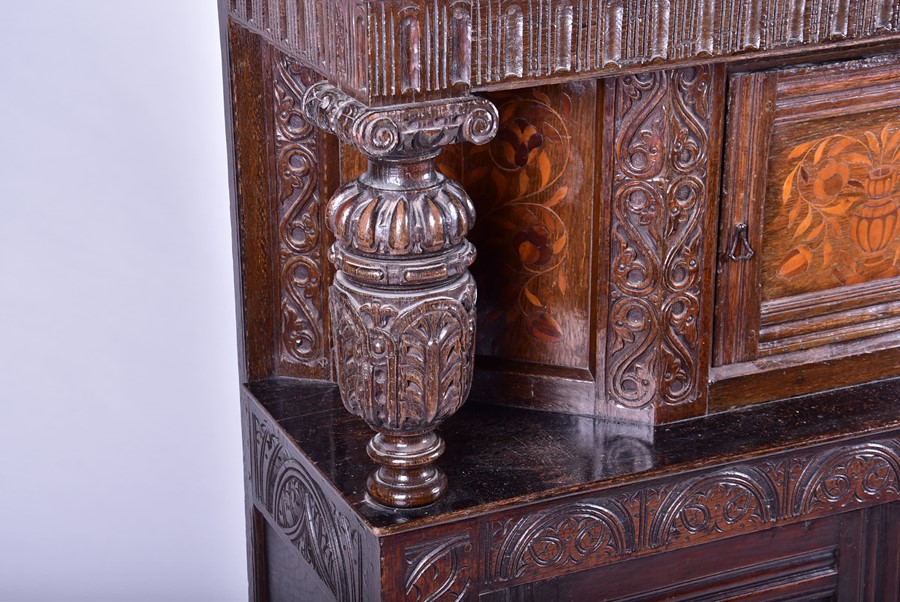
403, 301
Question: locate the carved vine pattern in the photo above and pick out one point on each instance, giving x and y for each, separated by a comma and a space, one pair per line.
439, 570
298, 507
721, 503
520, 174
299, 227
841, 188
659, 191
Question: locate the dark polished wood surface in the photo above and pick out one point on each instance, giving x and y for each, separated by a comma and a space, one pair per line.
499, 456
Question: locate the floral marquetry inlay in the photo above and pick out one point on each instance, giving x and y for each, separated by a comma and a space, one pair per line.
533, 198
832, 218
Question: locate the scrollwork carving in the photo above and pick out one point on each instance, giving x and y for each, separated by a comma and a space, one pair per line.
299, 508
848, 477
717, 503
568, 535
659, 208
411, 130
301, 254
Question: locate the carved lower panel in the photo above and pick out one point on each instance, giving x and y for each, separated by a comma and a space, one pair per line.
297, 506
593, 531
659, 241
303, 343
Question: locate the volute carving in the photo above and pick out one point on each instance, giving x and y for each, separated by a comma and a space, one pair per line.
403, 301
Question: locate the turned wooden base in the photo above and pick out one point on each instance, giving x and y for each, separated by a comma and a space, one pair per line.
407, 477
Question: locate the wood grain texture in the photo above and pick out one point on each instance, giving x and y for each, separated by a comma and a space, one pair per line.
388, 52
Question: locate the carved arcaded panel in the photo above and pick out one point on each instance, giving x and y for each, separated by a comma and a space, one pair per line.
658, 238
440, 570
296, 505
849, 477
302, 340
587, 531
522, 547
393, 51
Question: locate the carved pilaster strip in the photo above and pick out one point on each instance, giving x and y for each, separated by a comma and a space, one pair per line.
302, 342
662, 208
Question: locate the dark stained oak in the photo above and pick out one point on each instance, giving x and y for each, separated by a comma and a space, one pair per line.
674, 369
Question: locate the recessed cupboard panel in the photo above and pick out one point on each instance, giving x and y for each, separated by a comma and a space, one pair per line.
809, 244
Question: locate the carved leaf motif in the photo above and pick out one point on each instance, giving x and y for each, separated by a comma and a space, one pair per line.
439, 570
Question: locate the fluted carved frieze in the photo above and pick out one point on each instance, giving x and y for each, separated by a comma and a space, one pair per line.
393, 51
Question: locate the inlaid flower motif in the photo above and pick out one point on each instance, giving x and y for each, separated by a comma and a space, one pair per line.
533, 246
831, 178
841, 189
519, 143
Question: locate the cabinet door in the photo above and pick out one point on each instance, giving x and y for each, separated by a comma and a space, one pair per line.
809, 244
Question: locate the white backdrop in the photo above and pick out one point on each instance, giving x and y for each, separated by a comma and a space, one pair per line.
120, 453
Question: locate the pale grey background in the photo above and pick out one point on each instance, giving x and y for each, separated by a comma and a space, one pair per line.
120, 453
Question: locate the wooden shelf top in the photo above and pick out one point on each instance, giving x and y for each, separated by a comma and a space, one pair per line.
499, 457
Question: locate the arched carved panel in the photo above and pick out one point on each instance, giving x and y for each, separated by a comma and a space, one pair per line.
718, 503
589, 531
849, 477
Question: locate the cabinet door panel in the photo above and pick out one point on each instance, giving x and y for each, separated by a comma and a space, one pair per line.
809, 259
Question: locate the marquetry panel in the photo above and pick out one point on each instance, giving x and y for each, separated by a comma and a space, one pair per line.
809, 258
390, 51
533, 189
